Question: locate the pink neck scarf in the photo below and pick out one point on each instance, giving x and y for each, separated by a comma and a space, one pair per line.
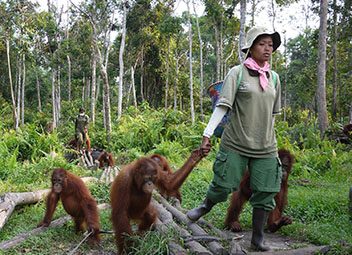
263, 80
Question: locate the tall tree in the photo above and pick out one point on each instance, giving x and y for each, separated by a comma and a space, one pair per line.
14, 109
170, 29
98, 13
321, 86
94, 87
241, 41
190, 64
201, 64
38, 92
334, 57
53, 34
69, 67
23, 85
121, 66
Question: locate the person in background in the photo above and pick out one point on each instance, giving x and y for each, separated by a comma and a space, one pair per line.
249, 140
81, 129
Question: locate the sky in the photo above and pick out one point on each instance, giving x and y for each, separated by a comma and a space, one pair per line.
289, 22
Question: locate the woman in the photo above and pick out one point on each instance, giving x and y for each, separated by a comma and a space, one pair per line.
248, 140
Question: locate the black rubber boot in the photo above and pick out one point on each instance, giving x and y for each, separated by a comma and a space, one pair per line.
259, 219
201, 210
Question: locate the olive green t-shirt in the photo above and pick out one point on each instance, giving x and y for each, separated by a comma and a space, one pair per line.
250, 130
82, 122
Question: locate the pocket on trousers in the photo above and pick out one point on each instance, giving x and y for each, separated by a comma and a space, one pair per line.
220, 165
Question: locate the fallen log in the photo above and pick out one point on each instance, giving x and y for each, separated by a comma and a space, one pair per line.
109, 173
24, 236
214, 246
9, 201
168, 222
236, 248
87, 161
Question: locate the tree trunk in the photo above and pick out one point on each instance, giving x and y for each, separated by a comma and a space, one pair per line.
273, 14
97, 90
19, 90
321, 90
221, 47
23, 87
69, 77
190, 65
122, 48
334, 56
241, 40
175, 82
254, 7
87, 95
94, 84
133, 87
69, 71
9, 201
142, 73
83, 88
14, 110
227, 59
38, 94
217, 46
201, 65
58, 96
106, 95
53, 75
167, 73
285, 79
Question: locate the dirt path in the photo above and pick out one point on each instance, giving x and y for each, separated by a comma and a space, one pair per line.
280, 245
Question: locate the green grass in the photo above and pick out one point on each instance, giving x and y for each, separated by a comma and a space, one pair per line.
318, 192
318, 207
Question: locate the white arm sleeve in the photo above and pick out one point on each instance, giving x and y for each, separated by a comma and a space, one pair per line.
215, 119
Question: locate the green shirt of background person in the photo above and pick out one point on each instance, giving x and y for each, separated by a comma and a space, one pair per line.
81, 128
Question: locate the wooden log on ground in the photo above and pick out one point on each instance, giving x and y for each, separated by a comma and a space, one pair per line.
24, 236
174, 248
168, 222
214, 246
236, 248
109, 173
87, 159
162, 225
9, 201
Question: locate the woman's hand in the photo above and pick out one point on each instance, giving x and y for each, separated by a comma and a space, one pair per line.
205, 146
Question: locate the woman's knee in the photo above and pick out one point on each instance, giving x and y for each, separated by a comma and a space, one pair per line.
264, 200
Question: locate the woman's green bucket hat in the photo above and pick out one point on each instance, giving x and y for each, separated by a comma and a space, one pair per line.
254, 32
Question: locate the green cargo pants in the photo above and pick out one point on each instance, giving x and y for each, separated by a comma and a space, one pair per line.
229, 167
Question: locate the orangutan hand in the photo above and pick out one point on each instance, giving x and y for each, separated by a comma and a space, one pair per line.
205, 146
